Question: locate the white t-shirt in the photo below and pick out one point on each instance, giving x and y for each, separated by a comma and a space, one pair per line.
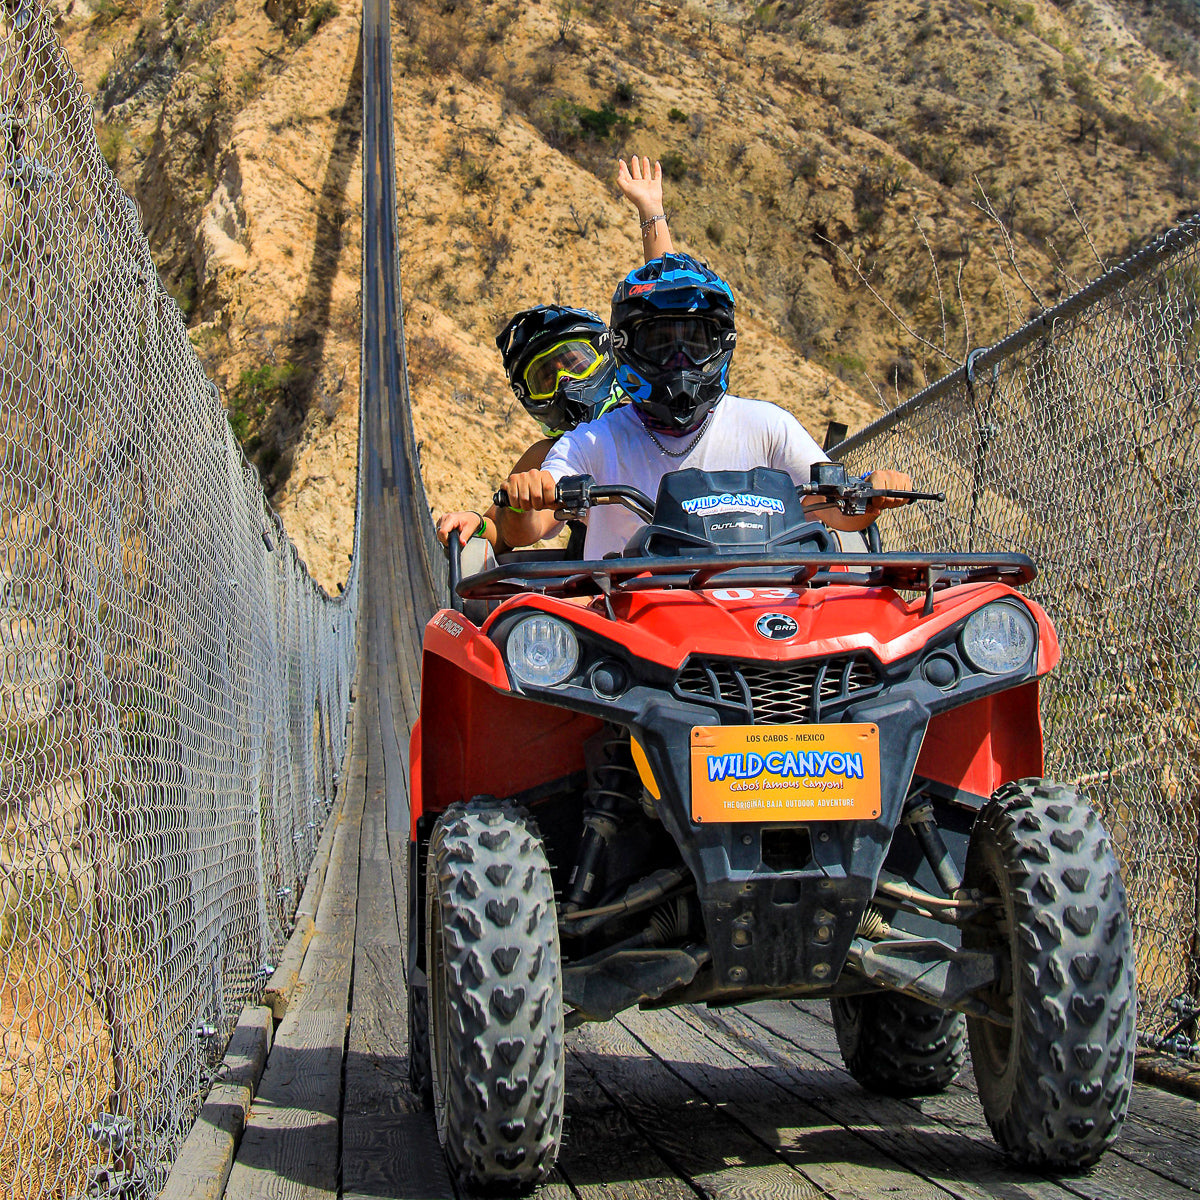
741, 435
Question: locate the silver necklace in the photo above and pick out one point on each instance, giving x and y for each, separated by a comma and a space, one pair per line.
680, 453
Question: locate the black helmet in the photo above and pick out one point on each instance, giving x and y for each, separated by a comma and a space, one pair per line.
560, 365
673, 338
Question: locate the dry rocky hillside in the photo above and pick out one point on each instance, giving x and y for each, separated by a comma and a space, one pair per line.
961, 162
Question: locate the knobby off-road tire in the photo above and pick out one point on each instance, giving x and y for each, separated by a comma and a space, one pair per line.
899, 1046
1055, 1087
495, 998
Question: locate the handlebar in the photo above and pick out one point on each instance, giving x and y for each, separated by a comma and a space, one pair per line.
852, 495
575, 494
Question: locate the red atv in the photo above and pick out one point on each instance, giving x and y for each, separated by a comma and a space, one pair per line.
735, 763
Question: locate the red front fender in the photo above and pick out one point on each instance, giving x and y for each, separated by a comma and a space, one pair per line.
988, 742
473, 736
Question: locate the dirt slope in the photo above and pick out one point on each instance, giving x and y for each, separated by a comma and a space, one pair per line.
814, 147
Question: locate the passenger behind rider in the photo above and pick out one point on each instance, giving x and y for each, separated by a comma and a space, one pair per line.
673, 338
559, 363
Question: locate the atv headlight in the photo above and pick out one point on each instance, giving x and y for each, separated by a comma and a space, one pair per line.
999, 638
542, 651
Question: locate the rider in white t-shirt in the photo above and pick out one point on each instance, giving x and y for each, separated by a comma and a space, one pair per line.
673, 337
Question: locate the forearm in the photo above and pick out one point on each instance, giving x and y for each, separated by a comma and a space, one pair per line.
491, 529
524, 528
656, 237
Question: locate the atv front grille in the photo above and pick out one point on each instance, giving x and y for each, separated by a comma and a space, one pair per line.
777, 693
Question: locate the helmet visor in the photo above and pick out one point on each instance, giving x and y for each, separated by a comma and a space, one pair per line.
676, 341
573, 359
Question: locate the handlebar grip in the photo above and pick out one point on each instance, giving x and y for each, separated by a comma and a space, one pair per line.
939, 496
500, 498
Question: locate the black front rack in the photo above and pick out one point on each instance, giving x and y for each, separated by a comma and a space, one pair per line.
904, 572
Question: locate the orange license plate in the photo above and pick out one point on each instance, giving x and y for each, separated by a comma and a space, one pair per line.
785, 772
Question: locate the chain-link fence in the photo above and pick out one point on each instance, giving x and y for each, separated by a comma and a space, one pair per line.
173, 685
1077, 441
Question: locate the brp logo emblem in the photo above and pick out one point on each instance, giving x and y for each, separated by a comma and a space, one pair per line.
776, 626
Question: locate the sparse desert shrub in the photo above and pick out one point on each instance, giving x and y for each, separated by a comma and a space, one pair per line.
441, 53
494, 249
256, 390
105, 12
565, 123
428, 356
623, 92
983, 132
677, 115
112, 140
900, 372
674, 166
322, 11
935, 158
479, 65
544, 72
476, 176
930, 116
873, 189
849, 14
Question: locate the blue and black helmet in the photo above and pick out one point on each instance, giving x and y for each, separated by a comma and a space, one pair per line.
560, 365
673, 338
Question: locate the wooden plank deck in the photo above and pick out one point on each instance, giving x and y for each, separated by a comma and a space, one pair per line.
741, 1103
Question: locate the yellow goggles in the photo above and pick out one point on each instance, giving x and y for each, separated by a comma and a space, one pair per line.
574, 359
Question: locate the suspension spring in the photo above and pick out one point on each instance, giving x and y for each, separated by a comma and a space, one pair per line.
614, 785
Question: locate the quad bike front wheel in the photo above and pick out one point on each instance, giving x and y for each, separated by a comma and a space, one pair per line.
1055, 1085
899, 1046
495, 997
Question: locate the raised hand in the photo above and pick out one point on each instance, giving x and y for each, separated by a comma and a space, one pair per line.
641, 185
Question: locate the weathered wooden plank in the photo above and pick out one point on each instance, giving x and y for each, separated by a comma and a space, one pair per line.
839, 1161
966, 1169
277, 995
281, 986
1159, 1070
1166, 1111
956, 1140
603, 1155
206, 1157
389, 1146
290, 1148
700, 1142
1152, 1156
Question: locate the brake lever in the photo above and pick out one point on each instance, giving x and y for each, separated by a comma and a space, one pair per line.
852, 499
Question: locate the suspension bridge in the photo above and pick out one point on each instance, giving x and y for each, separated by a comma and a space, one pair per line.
204, 781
